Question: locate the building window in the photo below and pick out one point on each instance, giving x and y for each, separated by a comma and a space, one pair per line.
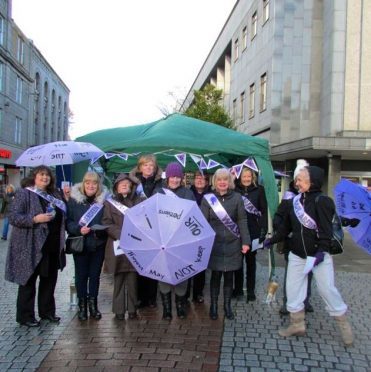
20, 50
254, 25
242, 107
18, 131
2, 28
265, 10
234, 110
263, 92
1, 76
252, 101
19, 90
236, 49
244, 38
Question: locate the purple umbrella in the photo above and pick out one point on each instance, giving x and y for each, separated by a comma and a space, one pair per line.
354, 201
167, 238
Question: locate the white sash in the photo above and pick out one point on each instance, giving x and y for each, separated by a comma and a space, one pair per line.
51, 199
306, 220
120, 207
90, 214
222, 214
169, 193
250, 207
288, 195
140, 191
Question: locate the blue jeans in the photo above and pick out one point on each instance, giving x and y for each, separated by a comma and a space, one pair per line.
5, 227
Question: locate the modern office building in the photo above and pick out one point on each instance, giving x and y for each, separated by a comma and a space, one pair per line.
33, 98
298, 73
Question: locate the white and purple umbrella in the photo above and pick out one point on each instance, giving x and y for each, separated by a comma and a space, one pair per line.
167, 238
59, 153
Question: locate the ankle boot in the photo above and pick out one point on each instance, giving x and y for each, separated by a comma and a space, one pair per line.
345, 330
93, 308
296, 327
214, 293
180, 302
83, 311
227, 303
166, 305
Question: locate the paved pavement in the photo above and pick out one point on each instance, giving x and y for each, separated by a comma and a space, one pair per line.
249, 343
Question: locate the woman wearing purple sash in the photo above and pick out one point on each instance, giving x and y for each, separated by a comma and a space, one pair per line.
310, 222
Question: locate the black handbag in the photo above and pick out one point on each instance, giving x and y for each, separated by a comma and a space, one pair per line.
74, 244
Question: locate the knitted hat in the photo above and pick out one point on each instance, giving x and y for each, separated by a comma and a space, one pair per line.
174, 170
300, 164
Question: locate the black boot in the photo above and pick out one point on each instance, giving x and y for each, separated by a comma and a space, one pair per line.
83, 310
214, 293
166, 305
227, 303
180, 302
93, 308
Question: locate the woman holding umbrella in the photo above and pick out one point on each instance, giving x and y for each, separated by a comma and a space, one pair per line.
36, 247
85, 208
226, 214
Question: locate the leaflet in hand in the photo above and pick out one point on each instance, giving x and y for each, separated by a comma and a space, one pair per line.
256, 245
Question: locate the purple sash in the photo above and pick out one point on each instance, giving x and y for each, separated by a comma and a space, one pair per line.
250, 207
120, 207
222, 214
288, 195
306, 220
51, 199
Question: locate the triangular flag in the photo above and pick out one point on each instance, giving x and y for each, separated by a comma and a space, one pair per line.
195, 158
93, 160
123, 156
250, 163
182, 158
109, 155
237, 169
202, 164
212, 164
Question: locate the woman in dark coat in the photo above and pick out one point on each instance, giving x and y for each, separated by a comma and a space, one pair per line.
125, 275
87, 196
36, 247
257, 222
174, 178
147, 177
8, 198
310, 222
225, 212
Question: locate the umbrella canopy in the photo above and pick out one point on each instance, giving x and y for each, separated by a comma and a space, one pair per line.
354, 201
58, 153
167, 238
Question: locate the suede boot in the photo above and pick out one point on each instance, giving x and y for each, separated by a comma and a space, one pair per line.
180, 302
83, 309
166, 305
296, 327
93, 308
227, 303
345, 330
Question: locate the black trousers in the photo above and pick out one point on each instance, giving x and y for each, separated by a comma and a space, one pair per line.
216, 277
147, 290
250, 259
88, 267
197, 283
45, 297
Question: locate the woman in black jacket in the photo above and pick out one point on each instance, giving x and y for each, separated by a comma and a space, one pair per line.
310, 221
257, 222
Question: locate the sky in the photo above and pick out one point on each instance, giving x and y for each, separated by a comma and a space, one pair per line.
120, 58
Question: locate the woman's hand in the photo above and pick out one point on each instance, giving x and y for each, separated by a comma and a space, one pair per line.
42, 218
85, 230
245, 248
66, 192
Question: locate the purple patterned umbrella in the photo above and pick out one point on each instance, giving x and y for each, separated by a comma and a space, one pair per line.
167, 238
354, 201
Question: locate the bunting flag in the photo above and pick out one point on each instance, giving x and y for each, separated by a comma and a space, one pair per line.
109, 155
123, 156
212, 164
182, 158
237, 169
94, 160
250, 163
195, 158
202, 164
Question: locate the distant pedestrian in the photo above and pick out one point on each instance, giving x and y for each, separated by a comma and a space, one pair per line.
225, 212
8, 198
125, 275
36, 247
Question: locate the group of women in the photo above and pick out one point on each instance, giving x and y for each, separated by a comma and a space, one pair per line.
235, 208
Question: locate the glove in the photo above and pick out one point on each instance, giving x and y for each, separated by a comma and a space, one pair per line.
319, 258
267, 243
263, 233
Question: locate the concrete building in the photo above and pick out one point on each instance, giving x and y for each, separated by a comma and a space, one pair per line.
298, 73
33, 98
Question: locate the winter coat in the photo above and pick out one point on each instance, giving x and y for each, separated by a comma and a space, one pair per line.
8, 198
77, 205
113, 218
149, 184
258, 225
307, 242
27, 238
226, 253
181, 192
199, 196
